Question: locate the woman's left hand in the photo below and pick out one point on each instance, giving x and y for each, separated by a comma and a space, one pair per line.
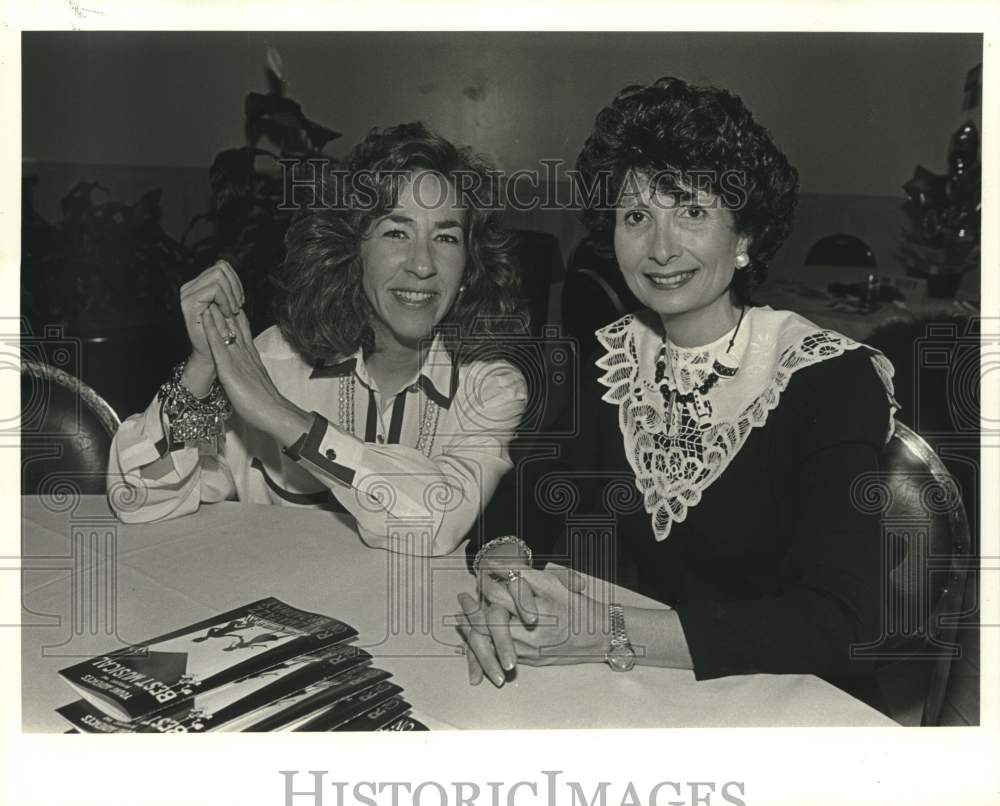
242, 374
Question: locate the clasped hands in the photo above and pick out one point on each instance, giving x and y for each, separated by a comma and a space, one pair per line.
223, 348
537, 618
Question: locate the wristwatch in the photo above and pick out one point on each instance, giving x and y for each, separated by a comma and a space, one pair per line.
620, 655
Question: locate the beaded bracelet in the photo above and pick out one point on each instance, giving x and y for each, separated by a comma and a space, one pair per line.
193, 420
501, 541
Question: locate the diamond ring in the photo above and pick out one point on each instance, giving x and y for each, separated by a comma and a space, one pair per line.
505, 577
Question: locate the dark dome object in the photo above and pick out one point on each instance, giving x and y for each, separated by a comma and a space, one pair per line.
841, 250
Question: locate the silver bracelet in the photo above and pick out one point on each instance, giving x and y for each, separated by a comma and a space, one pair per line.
192, 420
501, 541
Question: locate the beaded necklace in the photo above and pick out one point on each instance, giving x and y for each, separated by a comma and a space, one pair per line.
428, 421
696, 396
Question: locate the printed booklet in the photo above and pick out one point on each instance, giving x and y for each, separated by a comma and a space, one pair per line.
260, 667
215, 709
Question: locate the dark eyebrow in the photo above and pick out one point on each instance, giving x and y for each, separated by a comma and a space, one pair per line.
449, 223
632, 200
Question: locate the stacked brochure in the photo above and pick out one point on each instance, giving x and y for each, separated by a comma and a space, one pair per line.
265, 666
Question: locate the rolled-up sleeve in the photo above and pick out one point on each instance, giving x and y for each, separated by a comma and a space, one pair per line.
406, 501
147, 481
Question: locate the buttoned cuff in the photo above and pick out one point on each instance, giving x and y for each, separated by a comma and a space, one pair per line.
148, 438
327, 451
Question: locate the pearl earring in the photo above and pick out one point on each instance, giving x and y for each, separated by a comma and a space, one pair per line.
742, 260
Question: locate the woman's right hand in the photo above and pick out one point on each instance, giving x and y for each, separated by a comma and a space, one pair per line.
218, 285
489, 626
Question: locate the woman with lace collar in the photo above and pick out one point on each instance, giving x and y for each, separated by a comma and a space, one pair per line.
380, 392
718, 441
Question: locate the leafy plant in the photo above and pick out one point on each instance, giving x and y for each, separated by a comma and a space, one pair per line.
247, 216
105, 265
109, 265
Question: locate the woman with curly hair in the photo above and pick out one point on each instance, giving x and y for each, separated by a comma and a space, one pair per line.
371, 394
738, 430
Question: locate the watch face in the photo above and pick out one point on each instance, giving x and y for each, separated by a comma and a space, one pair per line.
621, 658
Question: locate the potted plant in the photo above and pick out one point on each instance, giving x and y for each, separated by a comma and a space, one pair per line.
249, 183
110, 276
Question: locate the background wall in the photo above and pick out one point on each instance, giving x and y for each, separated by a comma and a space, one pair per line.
854, 112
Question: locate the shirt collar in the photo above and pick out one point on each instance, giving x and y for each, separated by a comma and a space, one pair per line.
438, 377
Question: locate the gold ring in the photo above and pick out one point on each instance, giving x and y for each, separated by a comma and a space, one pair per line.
229, 338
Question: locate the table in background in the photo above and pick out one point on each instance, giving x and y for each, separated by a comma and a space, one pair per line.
91, 583
808, 295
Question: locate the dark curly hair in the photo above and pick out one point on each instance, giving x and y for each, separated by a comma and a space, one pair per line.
322, 309
689, 136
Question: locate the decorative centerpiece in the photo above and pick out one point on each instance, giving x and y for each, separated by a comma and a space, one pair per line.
942, 239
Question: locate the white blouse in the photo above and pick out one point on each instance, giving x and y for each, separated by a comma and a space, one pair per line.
413, 469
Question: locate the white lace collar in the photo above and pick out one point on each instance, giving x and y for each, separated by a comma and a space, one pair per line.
678, 443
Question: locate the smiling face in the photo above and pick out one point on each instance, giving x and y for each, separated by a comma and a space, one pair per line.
677, 252
413, 259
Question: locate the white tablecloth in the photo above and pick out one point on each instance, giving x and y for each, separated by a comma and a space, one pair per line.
90, 584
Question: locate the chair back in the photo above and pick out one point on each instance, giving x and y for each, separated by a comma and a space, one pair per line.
539, 260
66, 432
926, 549
594, 295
